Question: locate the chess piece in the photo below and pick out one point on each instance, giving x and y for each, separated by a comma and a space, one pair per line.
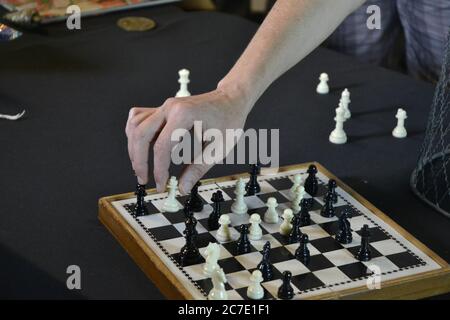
189, 253
332, 189
344, 234
183, 80
400, 130
243, 244
286, 292
323, 87
298, 181
213, 220
239, 206
265, 266
255, 229
252, 187
255, 291
271, 215
171, 204
190, 221
302, 253
223, 234
311, 183
338, 135
364, 253
296, 233
212, 253
298, 197
305, 217
328, 209
141, 207
286, 226
218, 291
195, 199
345, 101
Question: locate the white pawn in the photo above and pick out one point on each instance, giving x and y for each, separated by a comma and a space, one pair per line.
218, 291
223, 234
298, 197
286, 226
171, 204
255, 291
298, 181
255, 230
338, 135
345, 101
323, 88
183, 81
400, 130
239, 206
212, 253
271, 215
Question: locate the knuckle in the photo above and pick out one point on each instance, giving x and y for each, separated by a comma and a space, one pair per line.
158, 148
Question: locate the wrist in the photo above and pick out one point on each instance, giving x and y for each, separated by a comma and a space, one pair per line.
238, 91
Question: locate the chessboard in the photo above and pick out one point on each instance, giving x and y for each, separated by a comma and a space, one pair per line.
406, 268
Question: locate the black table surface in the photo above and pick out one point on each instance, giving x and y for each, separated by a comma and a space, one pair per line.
70, 149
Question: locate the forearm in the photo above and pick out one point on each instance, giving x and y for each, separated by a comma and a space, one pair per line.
292, 29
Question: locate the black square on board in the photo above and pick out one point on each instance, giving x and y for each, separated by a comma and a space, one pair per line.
277, 195
165, 232
232, 248
403, 259
281, 184
150, 207
326, 244
174, 217
230, 265
374, 252
177, 258
306, 281
206, 285
319, 262
243, 293
355, 270
280, 254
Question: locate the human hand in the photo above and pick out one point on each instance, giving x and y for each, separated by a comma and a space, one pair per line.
217, 109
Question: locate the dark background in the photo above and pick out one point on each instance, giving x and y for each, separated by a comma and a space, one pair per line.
70, 149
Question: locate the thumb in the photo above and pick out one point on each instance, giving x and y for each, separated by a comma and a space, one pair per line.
191, 175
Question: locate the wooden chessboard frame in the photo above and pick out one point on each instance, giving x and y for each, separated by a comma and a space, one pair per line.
418, 286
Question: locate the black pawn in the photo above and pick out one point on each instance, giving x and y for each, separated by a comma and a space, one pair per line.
141, 208
302, 253
328, 209
189, 253
332, 185
305, 217
311, 183
252, 187
344, 234
364, 253
286, 292
195, 199
243, 244
265, 266
213, 220
295, 234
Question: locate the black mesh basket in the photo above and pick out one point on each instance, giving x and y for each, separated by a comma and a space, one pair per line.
431, 178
